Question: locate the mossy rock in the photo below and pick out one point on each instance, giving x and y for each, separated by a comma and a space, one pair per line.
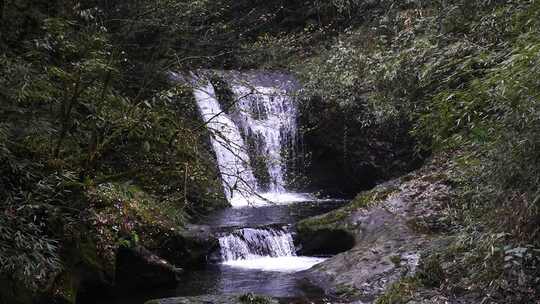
337, 219
400, 292
250, 298
430, 271
346, 291
332, 233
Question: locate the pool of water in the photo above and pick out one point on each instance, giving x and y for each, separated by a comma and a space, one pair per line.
279, 277
267, 215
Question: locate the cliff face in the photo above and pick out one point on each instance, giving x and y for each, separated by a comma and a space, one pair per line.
344, 157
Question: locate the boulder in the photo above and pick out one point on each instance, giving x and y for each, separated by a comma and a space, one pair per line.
190, 247
136, 267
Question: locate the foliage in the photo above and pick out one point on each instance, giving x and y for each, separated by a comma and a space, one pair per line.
457, 76
92, 134
90, 140
25, 254
399, 292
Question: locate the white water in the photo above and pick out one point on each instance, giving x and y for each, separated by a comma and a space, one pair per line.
254, 242
237, 176
279, 264
267, 117
264, 249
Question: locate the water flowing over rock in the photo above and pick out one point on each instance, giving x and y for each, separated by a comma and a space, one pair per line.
255, 133
249, 243
228, 144
268, 114
267, 249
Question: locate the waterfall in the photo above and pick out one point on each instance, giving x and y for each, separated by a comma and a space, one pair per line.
228, 144
251, 137
268, 114
250, 243
267, 249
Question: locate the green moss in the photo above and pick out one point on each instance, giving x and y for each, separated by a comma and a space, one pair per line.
250, 298
419, 225
400, 292
396, 260
430, 271
346, 291
336, 219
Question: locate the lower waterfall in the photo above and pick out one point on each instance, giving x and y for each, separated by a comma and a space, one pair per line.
268, 249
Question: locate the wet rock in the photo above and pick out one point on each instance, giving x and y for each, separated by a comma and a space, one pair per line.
190, 247
139, 268
387, 248
217, 299
323, 241
352, 157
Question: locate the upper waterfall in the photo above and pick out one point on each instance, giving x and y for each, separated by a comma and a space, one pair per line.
228, 144
267, 115
252, 135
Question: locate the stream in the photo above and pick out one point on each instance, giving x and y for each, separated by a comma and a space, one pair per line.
255, 140
271, 269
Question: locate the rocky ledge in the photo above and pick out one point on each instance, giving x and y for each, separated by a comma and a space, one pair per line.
390, 230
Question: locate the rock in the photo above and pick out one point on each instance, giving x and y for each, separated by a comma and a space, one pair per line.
139, 268
189, 247
387, 248
323, 241
336, 232
347, 157
217, 299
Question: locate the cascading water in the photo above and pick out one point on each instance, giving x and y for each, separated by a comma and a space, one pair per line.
264, 116
228, 144
270, 249
249, 243
257, 128
270, 115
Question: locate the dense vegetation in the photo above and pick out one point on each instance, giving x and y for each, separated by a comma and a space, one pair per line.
462, 78
93, 138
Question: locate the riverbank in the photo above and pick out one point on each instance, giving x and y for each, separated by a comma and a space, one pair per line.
415, 242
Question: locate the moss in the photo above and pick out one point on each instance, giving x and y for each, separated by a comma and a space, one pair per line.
337, 219
250, 298
419, 225
346, 291
400, 292
396, 260
373, 197
430, 271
